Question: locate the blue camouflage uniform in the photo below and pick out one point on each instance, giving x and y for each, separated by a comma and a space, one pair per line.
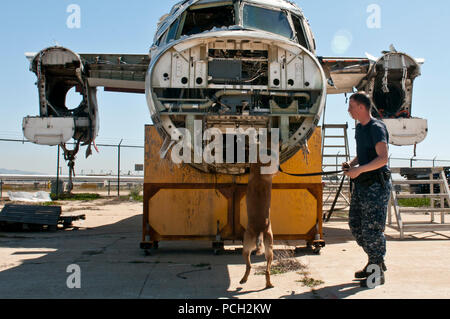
371, 194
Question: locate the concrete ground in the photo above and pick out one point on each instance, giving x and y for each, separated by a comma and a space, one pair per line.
106, 248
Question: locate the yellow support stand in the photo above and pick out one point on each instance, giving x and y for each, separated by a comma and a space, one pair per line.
182, 203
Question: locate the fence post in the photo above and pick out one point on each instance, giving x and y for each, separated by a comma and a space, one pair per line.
57, 174
118, 169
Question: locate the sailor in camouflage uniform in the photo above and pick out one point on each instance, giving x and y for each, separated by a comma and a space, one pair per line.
371, 192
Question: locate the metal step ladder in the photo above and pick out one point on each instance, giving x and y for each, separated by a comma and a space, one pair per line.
335, 151
403, 189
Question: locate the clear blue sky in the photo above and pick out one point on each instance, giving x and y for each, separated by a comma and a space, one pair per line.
417, 27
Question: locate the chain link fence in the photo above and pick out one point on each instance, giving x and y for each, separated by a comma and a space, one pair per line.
41, 168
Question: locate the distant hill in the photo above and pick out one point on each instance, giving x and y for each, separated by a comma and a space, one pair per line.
17, 172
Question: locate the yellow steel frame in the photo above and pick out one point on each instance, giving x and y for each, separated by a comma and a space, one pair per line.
182, 203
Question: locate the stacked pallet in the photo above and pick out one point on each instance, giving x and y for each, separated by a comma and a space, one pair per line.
36, 218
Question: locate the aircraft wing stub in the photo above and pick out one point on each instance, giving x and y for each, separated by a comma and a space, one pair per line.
117, 72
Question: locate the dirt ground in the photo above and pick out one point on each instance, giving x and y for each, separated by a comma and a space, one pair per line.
105, 247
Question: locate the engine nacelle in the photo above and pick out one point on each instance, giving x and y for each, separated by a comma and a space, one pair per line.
390, 83
59, 70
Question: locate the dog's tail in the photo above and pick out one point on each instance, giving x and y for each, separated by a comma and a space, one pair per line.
260, 245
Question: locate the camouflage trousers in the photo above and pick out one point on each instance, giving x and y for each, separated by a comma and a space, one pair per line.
367, 219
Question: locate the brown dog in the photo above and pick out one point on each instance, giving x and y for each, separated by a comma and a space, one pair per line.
259, 195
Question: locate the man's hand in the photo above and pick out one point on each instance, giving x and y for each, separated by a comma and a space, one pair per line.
380, 161
350, 171
353, 172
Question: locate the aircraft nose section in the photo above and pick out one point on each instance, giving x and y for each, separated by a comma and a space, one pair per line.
236, 80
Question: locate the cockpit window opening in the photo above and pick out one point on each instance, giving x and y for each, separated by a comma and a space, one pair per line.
299, 30
205, 19
172, 34
274, 21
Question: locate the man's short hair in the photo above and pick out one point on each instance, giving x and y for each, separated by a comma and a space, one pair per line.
362, 98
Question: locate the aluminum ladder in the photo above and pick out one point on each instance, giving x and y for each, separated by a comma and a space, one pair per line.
335, 151
402, 189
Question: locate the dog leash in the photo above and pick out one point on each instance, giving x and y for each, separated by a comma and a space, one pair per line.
333, 206
326, 217
311, 174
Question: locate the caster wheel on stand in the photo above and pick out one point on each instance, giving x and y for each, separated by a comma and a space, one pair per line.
149, 247
317, 246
